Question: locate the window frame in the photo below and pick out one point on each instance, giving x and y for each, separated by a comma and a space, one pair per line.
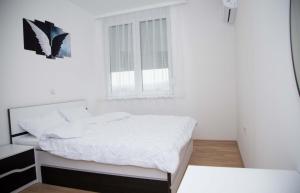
135, 20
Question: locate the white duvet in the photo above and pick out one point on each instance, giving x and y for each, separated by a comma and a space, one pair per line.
149, 141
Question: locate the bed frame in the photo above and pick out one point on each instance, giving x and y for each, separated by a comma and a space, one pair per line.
94, 176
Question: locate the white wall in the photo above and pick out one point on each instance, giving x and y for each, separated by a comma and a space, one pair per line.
207, 75
269, 105
27, 78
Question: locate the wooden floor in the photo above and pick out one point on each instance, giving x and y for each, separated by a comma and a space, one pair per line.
216, 153
45, 188
205, 153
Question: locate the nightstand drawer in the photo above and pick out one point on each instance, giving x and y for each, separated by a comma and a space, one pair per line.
17, 179
18, 161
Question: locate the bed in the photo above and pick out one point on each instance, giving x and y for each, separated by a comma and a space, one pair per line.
104, 177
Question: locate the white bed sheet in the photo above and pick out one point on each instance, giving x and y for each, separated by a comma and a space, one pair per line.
149, 141
27, 139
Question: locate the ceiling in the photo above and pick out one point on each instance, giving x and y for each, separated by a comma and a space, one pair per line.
110, 7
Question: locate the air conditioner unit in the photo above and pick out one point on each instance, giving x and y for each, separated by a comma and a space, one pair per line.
230, 9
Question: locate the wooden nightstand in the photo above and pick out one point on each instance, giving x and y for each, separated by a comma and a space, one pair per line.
17, 167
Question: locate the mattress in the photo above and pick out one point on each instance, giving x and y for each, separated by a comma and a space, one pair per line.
148, 141
28, 139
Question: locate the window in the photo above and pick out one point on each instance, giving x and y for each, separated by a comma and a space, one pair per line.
154, 54
121, 59
138, 56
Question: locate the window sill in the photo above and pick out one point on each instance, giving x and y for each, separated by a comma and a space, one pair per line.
160, 96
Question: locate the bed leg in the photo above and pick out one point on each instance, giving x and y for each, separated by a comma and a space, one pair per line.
169, 182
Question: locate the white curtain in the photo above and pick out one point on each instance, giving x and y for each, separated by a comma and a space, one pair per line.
154, 54
121, 58
139, 55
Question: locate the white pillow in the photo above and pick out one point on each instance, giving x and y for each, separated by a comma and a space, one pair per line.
37, 126
74, 114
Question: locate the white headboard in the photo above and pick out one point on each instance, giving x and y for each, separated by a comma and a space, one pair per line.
21, 113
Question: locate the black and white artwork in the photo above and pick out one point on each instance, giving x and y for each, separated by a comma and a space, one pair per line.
46, 39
